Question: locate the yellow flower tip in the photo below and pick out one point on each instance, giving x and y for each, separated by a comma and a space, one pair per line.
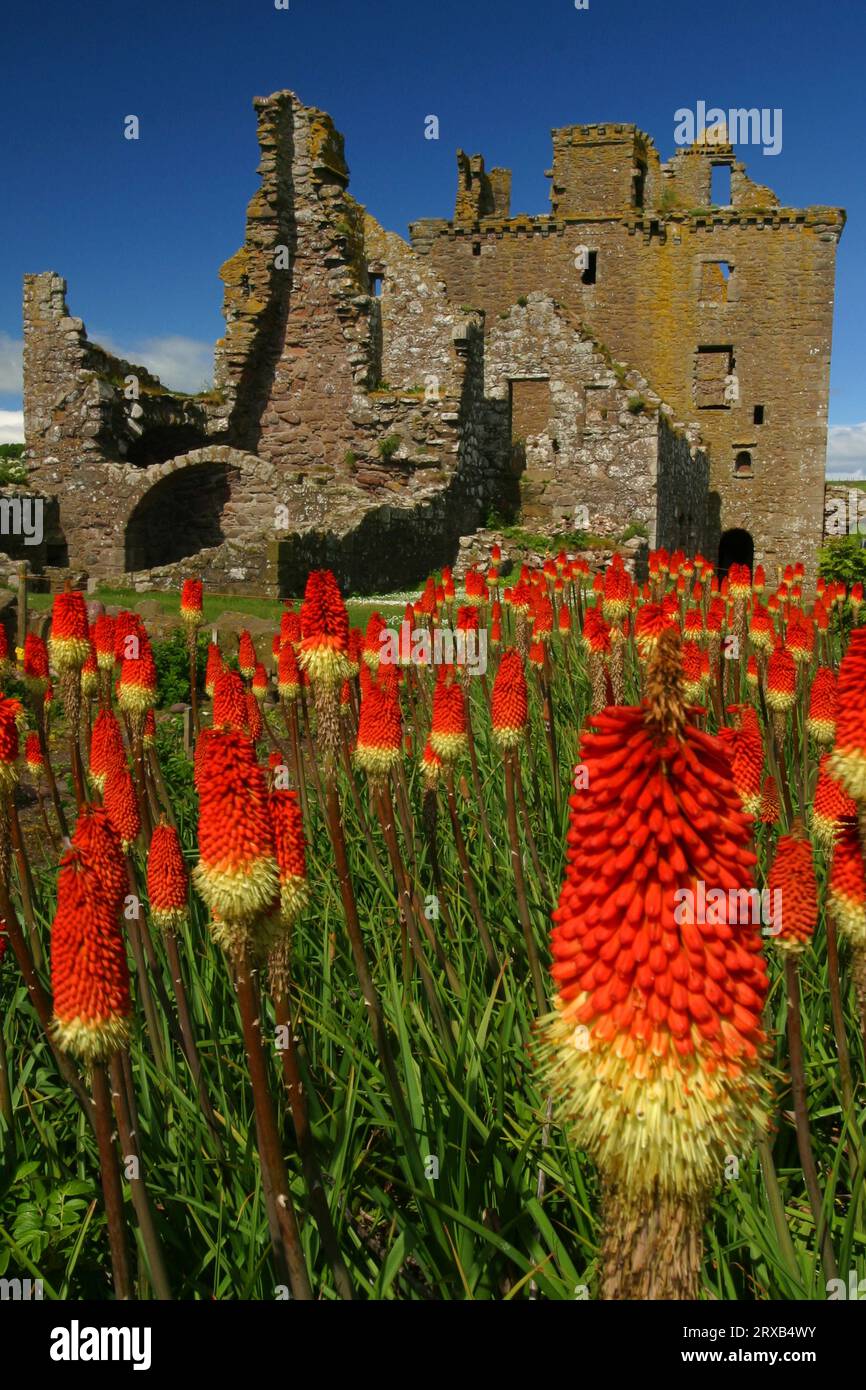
91, 1040
238, 894
653, 1121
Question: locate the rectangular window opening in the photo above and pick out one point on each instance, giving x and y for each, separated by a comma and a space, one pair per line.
715, 279
715, 383
759, 415
588, 276
720, 185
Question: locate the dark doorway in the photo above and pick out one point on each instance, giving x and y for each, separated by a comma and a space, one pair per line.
177, 517
735, 548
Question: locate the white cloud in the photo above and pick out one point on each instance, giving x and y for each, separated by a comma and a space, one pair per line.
182, 364
10, 363
846, 451
11, 426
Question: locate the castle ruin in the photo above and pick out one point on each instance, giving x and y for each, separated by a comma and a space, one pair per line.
639, 356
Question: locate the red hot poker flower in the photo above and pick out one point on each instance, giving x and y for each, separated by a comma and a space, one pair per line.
653, 1053
106, 746
247, 659
89, 972
167, 879
380, 730
69, 642
288, 827
849, 755
237, 870
509, 706
793, 892
325, 630
120, 803
821, 721
847, 887
191, 602
449, 735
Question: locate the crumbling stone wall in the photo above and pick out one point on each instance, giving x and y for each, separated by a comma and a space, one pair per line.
598, 445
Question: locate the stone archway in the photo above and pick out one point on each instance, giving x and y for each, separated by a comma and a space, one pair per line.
186, 505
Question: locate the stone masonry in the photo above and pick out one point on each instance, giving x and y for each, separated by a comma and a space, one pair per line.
637, 357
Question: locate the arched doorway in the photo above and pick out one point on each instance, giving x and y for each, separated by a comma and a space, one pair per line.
736, 547
180, 515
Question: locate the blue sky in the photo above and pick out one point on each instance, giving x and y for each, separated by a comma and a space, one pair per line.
139, 228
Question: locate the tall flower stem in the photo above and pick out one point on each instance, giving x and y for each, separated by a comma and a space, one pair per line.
39, 712
280, 995
385, 808
520, 886
25, 879
365, 979
651, 1245
270, 1151
111, 1187
468, 881
801, 1118
130, 1148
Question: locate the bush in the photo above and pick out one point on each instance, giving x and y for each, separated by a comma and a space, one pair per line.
843, 559
172, 668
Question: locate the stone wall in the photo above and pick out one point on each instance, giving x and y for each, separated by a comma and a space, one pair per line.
647, 301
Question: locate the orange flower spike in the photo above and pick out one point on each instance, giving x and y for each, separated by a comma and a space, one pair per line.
793, 892
781, 680
106, 746
103, 641
10, 710
508, 704
261, 683
745, 749
849, 755
35, 664
237, 870
229, 702
120, 803
137, 687
247, 659
101, 851
89, 971
380, 732
191, 603
69, 641
821, 720
325, 630
831, 805
33, 755
167, 879
288, 673
213, 668
449, 736
846, 890
653, 1054
291, 853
